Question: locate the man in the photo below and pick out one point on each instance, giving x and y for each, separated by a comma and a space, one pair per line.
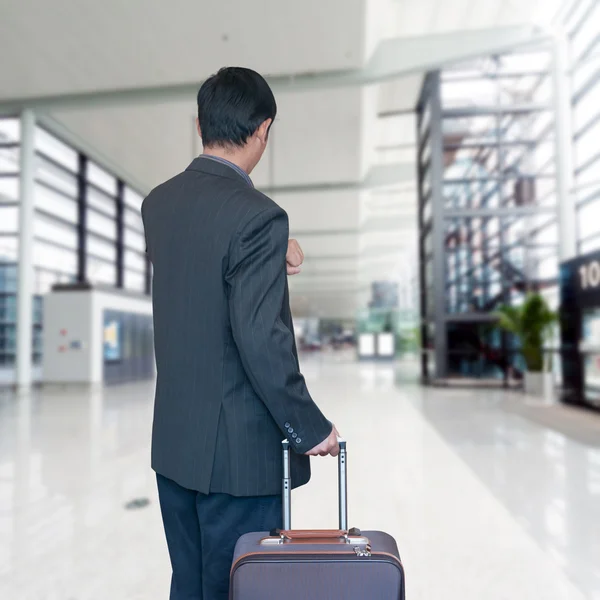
229, 388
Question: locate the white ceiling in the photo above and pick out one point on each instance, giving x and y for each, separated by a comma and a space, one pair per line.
319, 143
64, 46
418, 18
409, 18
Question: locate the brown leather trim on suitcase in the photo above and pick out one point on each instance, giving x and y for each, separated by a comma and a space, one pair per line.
313, 534
315, 540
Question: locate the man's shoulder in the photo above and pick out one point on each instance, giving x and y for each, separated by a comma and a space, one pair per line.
163, 189
250, 201
257, 202
251, 208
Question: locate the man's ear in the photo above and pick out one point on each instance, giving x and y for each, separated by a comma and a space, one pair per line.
198, 127
263, 131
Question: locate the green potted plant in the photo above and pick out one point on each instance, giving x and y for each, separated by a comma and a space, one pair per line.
532, 323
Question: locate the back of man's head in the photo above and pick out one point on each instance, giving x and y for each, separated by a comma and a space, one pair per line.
232, 105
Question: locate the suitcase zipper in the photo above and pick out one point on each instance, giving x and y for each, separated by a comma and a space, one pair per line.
362, 552
365, 553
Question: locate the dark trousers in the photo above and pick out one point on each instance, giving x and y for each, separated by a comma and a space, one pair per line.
202, 531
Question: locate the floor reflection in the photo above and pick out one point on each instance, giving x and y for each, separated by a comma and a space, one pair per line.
499, 505
548, 481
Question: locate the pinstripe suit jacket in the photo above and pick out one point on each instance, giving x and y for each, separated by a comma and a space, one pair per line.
228, 385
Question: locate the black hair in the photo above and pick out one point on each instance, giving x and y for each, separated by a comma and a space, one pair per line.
232, 105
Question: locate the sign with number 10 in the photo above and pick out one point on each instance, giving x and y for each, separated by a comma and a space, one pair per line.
589, 275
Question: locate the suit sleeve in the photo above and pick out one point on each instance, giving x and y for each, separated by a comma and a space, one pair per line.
257, 282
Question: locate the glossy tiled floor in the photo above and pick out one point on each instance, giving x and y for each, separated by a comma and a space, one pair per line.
485, 504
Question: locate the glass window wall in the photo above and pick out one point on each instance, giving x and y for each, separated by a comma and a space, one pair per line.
585, 52
76, 205
496, 193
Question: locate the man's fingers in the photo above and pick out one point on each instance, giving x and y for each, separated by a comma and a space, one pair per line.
293, 270
335, 450
294, 255
293, 260
329, 447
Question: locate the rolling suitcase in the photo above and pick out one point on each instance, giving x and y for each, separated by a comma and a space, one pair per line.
316, 565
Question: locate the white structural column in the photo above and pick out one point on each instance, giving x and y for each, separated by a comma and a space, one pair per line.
566, 204
25, 269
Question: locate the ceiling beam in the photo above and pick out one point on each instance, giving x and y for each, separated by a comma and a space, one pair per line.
332, 292
308, 271
386, 114
341, 292
323, 232
310, 257
302, 188
405, 146
378, 176
393, 59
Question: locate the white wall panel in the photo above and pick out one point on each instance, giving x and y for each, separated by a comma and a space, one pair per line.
400, 94
316, 137
320, 211
347, 266
329, 245
399, 129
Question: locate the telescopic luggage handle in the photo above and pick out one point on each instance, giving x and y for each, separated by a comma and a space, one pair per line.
342, 487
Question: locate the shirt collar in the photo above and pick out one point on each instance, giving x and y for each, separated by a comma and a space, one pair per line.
228, 163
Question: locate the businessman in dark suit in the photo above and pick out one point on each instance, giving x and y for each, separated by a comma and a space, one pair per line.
229, 387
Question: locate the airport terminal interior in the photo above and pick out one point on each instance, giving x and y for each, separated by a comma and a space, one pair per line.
439, 162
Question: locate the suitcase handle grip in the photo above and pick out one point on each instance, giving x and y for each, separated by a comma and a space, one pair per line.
342, 487
326, 536
309, 534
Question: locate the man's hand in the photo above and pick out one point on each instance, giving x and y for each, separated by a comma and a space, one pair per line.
294, 258
328, 447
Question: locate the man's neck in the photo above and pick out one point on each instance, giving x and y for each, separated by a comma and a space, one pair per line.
236, 158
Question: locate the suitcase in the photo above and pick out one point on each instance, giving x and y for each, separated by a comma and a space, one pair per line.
316, 565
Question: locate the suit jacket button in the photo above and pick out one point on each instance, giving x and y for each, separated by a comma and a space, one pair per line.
287, 425
298, 440
294, 435
290, 429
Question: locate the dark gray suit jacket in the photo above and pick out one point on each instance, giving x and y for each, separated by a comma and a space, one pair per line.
229, 388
